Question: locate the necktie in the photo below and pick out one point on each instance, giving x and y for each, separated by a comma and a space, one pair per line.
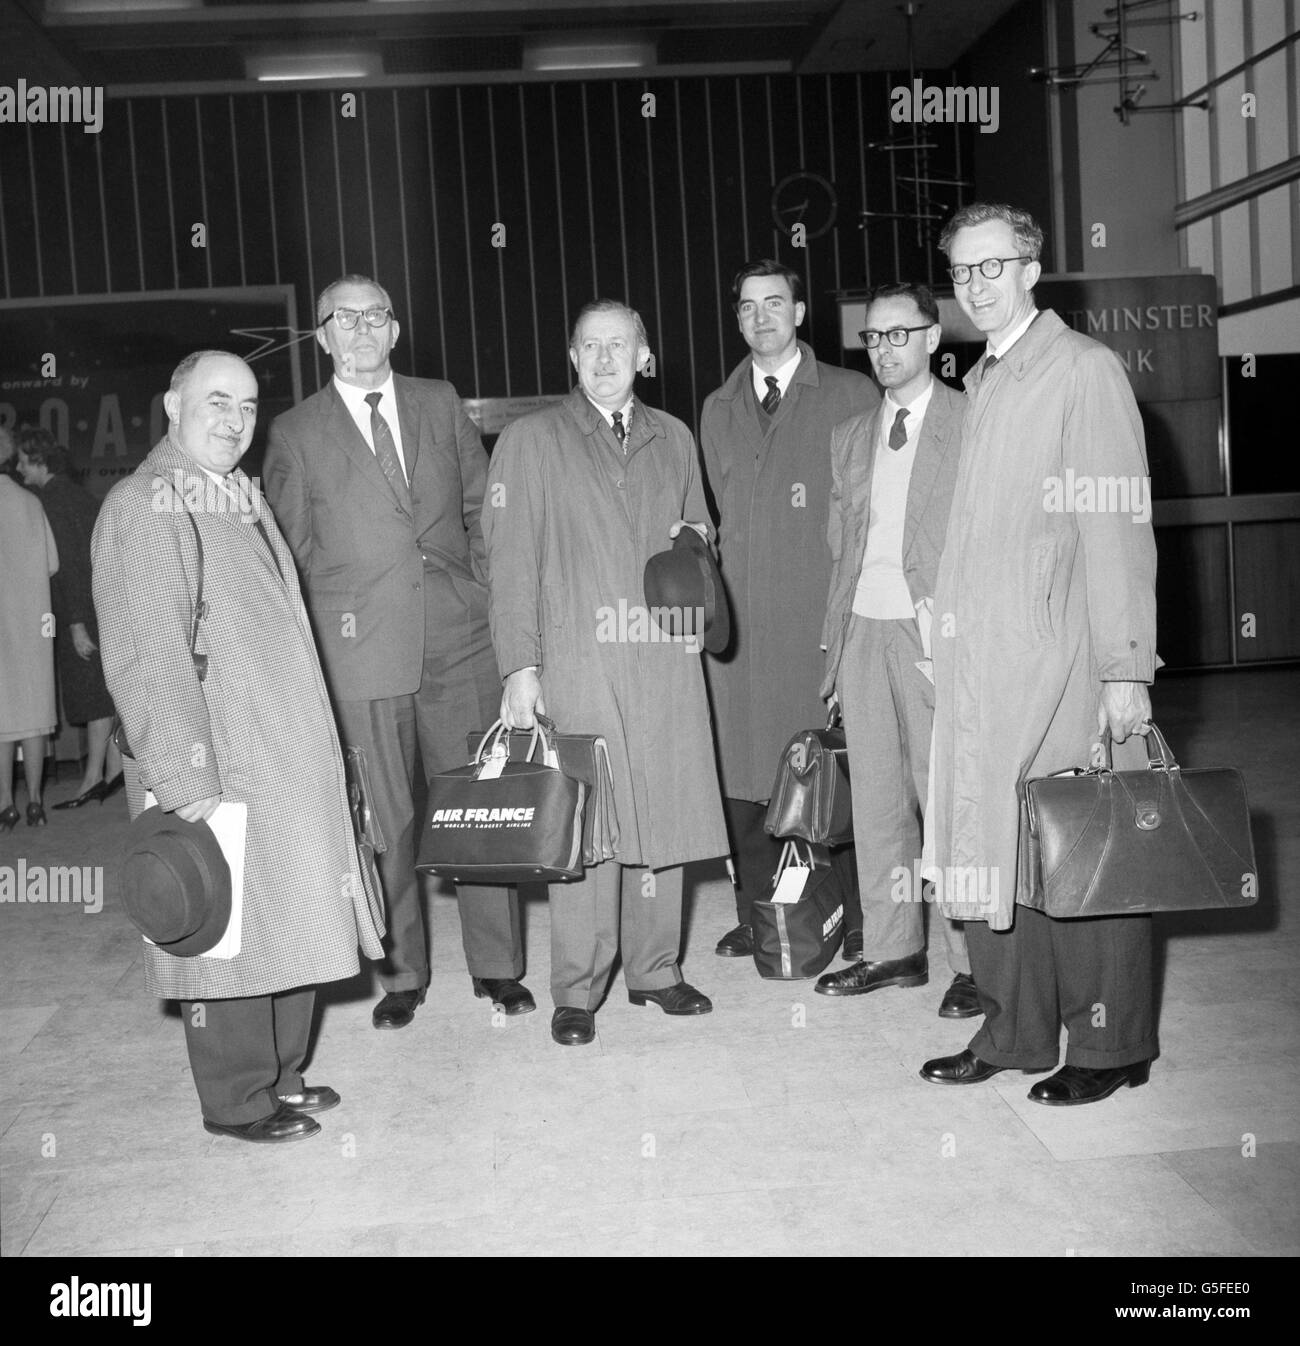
619, 432
989, 362
386, 450
897, 434
772, 398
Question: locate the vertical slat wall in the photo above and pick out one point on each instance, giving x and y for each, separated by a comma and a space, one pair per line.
595, 197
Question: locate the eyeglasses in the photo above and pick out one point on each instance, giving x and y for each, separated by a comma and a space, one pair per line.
898, 336
347, 318
990, 268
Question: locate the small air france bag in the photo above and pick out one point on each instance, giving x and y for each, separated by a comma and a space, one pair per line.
497, 821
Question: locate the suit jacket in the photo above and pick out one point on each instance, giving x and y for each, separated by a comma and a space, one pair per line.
929, 498
382, 580
258, 728
772, 488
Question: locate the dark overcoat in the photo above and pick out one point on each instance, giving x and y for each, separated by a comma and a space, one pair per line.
257, 729
773, 494
570, 523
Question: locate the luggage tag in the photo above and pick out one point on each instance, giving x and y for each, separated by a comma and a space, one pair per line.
790, 886
495, 764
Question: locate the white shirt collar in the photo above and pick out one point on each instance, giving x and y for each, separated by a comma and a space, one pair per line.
915, 409
626, 410
782, 375
354, 398
1020, 329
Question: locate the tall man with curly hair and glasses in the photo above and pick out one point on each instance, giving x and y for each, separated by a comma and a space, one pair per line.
377, 484
1044, 640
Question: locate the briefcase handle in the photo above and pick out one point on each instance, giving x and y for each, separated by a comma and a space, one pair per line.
1160, 756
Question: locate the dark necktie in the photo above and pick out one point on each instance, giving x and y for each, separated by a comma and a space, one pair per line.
772, 398
897, 434
619, 433
386, 450
989, 362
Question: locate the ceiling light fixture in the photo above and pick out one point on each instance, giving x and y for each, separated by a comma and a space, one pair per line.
587, 53
285, 66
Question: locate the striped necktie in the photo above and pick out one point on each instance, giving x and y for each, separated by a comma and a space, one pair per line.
772, 398
386, 451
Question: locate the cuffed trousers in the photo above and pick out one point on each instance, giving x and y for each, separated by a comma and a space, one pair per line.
888, 708
1093, 975
244, 1053
615, 908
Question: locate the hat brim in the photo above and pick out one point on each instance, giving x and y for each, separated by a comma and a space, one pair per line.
161, 834
717, 611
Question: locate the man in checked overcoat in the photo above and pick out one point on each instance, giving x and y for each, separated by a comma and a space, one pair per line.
257, 729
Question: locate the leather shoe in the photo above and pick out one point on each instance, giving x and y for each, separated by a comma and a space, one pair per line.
964, 1068
396, 1009
97, 792
737, 943
852, 950
572, 1027
283, 1124
863, 977
961, 1000
682, 998
1072, 1085
513, 996
314, 1098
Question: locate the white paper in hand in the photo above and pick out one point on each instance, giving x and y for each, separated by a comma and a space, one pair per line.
790, 886
229, 825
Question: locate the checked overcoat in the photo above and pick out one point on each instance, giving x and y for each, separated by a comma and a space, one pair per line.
258, 729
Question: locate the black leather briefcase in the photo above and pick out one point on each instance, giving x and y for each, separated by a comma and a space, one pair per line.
811, 799
1102, 842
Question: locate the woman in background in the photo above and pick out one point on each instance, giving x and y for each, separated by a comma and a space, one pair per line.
28, 557
71, 510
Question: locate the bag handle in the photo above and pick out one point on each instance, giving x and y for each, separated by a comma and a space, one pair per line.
498, 728
1160, 756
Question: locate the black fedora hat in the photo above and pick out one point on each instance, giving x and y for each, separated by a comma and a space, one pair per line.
686, 577
175, 883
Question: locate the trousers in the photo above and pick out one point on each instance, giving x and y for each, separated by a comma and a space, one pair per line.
246, 1052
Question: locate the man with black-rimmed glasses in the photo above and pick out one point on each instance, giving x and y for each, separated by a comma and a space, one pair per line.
892, 475
377, 483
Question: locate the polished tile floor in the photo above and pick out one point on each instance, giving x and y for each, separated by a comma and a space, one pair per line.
783, 1123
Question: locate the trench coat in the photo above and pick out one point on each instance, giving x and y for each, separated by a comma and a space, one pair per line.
773, 497
258, 729
28, 557
570, 523
1034, 607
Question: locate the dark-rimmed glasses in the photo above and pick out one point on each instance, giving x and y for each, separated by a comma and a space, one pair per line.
347, 318
990, 268
898, 336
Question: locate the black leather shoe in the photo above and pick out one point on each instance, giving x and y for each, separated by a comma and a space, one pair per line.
737, 943
863, 977
396, 1009
513, 996
572, 1027
35, 815
852, 949
314, 1098
965, 1068
97, 793
961, 1000
112, 787
283, 1124
1072, 1085
680, 999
